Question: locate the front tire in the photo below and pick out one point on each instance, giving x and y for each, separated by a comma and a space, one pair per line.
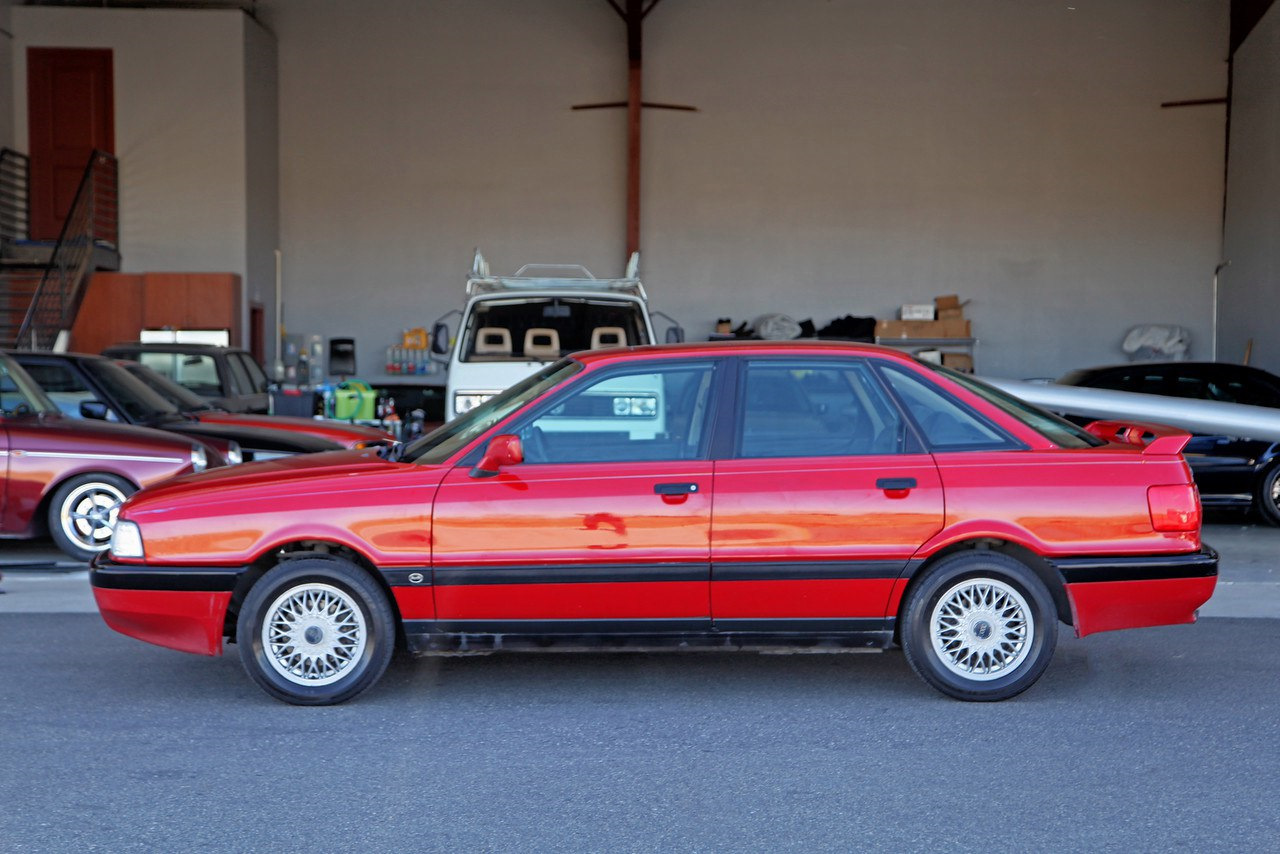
315, 631
980, 626
82, 513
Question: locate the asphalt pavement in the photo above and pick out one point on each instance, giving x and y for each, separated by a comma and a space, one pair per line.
1144, 740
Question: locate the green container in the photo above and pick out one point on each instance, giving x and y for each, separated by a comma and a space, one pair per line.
354, 400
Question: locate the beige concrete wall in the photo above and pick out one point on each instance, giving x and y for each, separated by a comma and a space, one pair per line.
1250, 286
846, 157
179, 126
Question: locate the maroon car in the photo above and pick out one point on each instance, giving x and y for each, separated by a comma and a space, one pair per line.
68, 478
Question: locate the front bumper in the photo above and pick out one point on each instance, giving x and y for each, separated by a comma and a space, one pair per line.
183, 608
1108, 593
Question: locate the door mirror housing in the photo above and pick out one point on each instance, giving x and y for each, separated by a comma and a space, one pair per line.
503, 450
93, 409
440, 339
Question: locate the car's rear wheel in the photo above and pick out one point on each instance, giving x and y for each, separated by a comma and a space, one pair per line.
315, 631
82, 513
980, 626
1268, 496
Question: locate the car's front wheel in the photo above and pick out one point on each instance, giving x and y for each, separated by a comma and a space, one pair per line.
315, 631
980, 626
82, 513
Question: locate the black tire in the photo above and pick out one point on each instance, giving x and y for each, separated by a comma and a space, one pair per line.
995, 621
1267, 496
335, 631
82, 513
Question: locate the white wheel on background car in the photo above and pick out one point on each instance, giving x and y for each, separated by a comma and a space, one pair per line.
83, 511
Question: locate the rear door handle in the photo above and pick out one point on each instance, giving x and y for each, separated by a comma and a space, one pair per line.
674, 488
890, 484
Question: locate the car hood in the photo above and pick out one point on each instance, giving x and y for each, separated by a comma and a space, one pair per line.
346, 435
255, 438
287, 476
88, 435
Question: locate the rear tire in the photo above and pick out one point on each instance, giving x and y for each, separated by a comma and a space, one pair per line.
1268, 495
315, 631
82, 513
980, 626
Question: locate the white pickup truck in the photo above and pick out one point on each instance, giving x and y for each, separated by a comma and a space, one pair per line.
513, 325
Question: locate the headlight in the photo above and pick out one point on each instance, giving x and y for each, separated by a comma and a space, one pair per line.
234, 455
199, 459
465, 401
126, 540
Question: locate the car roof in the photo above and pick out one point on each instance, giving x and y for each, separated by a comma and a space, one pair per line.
803, 347
1185, 368
173, 347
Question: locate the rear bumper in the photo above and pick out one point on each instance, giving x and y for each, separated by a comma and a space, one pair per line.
182, 608
1108, 593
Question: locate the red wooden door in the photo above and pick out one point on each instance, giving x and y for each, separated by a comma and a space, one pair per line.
70, 112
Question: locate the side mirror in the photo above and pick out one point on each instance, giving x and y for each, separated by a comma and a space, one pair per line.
440, 339
503, 450
94, 409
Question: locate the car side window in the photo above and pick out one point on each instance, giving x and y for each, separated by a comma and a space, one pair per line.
239, 376
662, 413
65, 388
197, 373
257, 377
801, 408
947, 424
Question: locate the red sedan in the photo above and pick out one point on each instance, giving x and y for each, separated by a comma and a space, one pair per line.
822, 495
68, 478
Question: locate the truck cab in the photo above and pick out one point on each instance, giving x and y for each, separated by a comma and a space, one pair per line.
513, 325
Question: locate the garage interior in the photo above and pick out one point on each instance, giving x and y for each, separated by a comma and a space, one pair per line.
1070, 170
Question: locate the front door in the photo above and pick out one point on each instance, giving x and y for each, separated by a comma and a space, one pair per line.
826, 498
605, 526
70, 112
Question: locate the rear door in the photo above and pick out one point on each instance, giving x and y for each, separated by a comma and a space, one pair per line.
605, 526
822, 501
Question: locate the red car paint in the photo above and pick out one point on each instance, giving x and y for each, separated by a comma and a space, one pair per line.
739, 543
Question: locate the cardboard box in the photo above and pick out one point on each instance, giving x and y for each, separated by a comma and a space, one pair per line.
921, 311
947, 301
951, 314
922, 329
962, 362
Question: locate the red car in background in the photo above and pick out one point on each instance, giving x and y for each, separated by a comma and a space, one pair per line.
68, 478
193, 405
820, 495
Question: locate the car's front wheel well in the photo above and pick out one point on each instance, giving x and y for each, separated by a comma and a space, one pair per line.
1041, 567
322, 549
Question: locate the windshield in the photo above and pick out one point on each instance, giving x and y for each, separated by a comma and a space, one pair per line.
184, 399
138, 402
542, 329
438, 445
19, 394
1057, 430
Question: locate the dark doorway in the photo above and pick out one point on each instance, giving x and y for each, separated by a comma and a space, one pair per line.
70, 112
257, 329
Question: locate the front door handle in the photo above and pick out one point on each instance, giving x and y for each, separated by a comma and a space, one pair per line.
896, 484
674, 488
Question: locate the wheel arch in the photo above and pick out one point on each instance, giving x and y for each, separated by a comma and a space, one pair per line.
297, 550
1037, 564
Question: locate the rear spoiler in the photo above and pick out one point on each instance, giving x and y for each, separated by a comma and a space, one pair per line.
1157, 438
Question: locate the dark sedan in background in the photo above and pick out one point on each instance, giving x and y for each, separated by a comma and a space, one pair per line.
228, 377
95, 387
1230, 471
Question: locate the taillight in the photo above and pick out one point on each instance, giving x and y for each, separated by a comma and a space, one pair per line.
1175, 507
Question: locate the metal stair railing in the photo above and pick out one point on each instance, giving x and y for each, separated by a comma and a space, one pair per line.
93, 220
15, 196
